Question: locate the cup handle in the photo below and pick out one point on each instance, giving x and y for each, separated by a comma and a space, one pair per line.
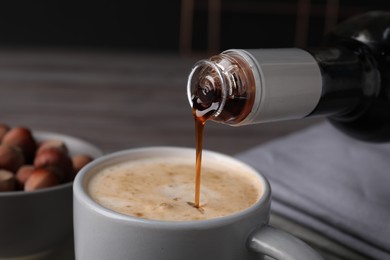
280, 245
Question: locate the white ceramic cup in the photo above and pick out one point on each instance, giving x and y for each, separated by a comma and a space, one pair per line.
102, 234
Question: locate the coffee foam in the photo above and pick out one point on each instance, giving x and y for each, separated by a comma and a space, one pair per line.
163, 188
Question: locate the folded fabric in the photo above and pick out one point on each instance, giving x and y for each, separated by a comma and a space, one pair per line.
331, 183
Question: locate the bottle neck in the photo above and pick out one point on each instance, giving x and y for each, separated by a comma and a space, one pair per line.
241, 87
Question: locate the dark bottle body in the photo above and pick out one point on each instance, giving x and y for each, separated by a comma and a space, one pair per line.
356, 77
347, 81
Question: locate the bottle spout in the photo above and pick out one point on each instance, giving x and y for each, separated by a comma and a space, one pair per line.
221, 88
205, 90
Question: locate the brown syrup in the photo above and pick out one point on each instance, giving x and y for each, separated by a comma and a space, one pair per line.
209, 103
199, 127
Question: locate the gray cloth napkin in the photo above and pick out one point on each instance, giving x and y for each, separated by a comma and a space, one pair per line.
331, 183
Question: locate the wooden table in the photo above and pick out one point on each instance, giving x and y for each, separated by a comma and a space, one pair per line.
117, 101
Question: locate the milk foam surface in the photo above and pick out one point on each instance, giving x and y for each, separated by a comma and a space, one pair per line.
163, 189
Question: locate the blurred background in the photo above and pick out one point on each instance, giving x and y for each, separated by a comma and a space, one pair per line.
114, 72
186, 26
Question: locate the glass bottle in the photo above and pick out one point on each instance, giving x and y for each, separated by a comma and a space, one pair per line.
345, 80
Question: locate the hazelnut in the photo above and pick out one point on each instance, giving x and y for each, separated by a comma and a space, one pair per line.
41, 178
55, 158
7, 181
26, 166
21, 137
23, 174
11, 158
59, 172
52, 145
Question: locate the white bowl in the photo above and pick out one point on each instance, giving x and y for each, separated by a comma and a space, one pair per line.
37, 221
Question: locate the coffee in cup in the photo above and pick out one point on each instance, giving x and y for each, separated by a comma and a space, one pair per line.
161, 189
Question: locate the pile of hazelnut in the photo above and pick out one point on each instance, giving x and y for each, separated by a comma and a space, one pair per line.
28, 165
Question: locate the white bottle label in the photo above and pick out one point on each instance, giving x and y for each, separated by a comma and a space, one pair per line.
288, 84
